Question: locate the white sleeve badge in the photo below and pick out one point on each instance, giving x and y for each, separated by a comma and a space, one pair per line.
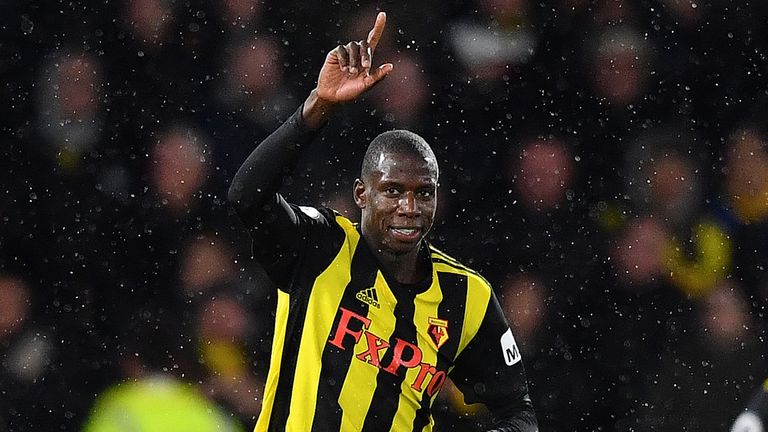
509, 348
310, 211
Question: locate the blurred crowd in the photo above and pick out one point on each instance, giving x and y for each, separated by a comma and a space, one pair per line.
604, 163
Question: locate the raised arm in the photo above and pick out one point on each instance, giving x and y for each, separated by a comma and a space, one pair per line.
345, 75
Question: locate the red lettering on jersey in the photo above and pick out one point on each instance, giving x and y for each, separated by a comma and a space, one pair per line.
424, 369
375, 344
436, 383
343, 328
398, 359
405, 354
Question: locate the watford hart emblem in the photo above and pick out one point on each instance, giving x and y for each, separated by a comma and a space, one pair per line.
438, 331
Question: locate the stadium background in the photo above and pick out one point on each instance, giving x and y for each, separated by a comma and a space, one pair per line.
604, 164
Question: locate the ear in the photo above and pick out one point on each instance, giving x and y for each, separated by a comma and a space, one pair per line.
361, 198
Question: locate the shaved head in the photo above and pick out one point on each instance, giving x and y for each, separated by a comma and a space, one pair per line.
396, 141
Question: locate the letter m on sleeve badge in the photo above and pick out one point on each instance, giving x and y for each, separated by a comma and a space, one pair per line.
438, 331
509, 348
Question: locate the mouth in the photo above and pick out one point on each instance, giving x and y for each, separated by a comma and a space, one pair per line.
405, 234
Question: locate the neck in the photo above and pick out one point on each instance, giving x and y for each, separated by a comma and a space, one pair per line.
406, 268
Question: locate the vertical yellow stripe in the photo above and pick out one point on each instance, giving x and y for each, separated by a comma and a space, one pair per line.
323, 304
478, 296
355, 399
278, 341
425, 306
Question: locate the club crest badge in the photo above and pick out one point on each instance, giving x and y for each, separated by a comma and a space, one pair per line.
438, 331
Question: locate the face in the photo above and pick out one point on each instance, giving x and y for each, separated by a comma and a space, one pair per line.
398, 202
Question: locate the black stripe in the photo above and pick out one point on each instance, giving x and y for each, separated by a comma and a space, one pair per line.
296, 318
458, 266
335, 361
451, 308
385, 399
313, 265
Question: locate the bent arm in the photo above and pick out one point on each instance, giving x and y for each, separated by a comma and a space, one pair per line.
490, 370
254, 189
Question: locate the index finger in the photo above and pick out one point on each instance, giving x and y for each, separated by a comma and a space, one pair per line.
378, 29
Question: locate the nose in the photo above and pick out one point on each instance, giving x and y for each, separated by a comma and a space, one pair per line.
407, 205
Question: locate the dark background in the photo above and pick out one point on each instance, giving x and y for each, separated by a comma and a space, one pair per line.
603, 163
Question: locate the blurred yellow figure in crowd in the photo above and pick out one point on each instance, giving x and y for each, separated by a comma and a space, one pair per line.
157, 403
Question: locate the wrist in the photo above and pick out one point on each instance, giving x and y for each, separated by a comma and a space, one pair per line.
316, 111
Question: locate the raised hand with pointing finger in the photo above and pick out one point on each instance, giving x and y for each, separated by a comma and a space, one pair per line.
347, 73
370, 317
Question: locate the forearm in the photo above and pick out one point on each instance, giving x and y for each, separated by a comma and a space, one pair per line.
520, 418
500, 383
256, 183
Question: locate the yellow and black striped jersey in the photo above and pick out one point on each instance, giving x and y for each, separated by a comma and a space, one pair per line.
355, 350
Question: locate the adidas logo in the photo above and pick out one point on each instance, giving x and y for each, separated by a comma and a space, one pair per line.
369, 297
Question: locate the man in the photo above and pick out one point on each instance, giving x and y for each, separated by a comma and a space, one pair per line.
755, 416
370, 319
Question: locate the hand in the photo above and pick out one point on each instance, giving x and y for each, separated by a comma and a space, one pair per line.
346, 74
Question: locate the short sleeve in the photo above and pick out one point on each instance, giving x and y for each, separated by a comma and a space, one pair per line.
315, 241
490, 369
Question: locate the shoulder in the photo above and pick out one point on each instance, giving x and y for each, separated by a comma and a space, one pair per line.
474, 290
447, 264
323, 219
320, 216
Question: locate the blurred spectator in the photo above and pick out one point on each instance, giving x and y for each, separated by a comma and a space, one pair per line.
240, 15
250, 99
33, 385
634, 316
402, 100
206, 262
233, 379
71, 120
72, 131
639, 255
666, 179
149, 20
671, 250
175, 205
620, 99
747, 175
745, 198
232, 319
537, 204
157, 403
559, 387
544, 241
151, 396
124, 122
545, 175
621, 62
179, 169
501, 36
705, 379
253, 82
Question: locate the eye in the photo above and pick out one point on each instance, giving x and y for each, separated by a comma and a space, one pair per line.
392, 191
426, 193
